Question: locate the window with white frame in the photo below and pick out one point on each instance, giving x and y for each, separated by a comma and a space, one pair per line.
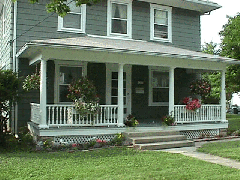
160, 23
75, 20
158, 87
119, 18
65, 74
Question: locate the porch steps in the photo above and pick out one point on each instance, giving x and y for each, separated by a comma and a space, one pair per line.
156, 140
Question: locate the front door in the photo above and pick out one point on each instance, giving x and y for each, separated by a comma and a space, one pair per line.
112, 86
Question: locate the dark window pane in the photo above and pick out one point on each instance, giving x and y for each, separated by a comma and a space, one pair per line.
114, 75
124, 92
114, 100
68, 74
124, 100
125, 110
160, 79
114, 92
119, 26
114, 83
64, 93
160, 94
72, 21
160, 31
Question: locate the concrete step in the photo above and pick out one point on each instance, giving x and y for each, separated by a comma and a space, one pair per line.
164, 145
150, 133
153, 139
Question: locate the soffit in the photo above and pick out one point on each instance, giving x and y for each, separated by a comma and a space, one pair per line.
202, 6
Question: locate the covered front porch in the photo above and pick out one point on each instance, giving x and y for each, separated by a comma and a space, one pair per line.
57, 116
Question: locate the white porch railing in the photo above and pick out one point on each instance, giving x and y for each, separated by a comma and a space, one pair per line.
35, 113
207, 113
66, 115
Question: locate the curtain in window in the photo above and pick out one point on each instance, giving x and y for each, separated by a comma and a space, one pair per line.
119, 18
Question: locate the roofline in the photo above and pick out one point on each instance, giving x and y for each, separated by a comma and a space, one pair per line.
216, 58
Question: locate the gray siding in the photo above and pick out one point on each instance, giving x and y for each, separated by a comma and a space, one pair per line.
186, 24
96, 22
186, 29
24, 112
5, 44
141, 20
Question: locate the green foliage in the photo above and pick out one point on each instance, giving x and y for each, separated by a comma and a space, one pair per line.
168, 120
211, 48
31, 82
84, 94
9, 84
113, 163
231, 38
61, 7
229, 149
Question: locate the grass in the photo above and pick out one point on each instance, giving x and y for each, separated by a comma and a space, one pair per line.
233, 123
115, 163
229, 149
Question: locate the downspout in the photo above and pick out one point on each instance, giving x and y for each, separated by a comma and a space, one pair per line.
15, 65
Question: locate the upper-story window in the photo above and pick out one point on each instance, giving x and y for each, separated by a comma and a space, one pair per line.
161, 23
75, 20
119, 18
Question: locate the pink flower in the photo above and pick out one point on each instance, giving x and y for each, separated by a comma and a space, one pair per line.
74, 145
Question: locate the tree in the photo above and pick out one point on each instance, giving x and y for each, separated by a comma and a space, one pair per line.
61, 7
211, 48
231, 48
9, 84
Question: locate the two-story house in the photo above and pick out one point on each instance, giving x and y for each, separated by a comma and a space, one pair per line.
141, 55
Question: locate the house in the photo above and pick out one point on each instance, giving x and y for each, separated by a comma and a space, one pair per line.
141, 55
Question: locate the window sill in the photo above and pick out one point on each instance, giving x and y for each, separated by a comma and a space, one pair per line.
161, 40
71, 31
159, 104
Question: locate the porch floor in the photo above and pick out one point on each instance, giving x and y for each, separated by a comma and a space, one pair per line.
69, 131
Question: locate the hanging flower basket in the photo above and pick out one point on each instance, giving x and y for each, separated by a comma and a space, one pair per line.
31, 82
192, 104
84, 95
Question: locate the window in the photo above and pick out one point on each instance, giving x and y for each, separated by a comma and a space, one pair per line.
74, 21
65, 74
158, 87
120, 18
161, 23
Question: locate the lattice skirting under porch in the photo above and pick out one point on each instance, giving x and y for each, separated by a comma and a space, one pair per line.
194, 134
81, 139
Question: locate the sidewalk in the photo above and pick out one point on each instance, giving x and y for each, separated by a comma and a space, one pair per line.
192, 152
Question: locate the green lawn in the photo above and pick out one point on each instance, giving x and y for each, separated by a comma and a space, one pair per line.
233, 123
229, 149
116, 163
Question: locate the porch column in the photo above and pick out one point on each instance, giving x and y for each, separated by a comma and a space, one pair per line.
43, 94
223, 97
120, 96
171, 90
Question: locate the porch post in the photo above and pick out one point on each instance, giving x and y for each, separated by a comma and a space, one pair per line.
171, 91
120, 95
223, 97
43, 94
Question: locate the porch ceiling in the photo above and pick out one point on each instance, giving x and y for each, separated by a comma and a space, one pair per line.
135, 47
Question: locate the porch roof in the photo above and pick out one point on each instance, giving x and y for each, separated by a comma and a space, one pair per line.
121, 46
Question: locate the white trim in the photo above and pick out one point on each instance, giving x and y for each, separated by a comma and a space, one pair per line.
150, 100
129, 19
110, 67
83, 21
164, 8
58, 63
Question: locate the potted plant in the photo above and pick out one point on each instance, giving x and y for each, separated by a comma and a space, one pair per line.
131, 121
